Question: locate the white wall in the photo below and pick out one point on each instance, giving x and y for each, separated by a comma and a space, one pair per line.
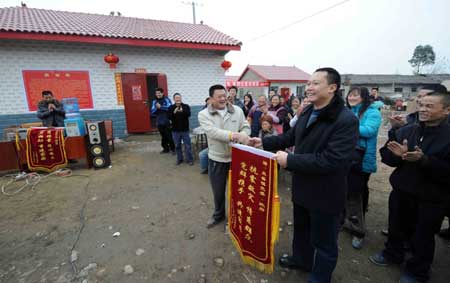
251, 76
190, 72
292, 86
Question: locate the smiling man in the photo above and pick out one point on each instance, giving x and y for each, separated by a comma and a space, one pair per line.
420, 153
223, 123
324, 136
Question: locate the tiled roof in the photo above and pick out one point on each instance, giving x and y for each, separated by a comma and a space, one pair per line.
393, 79
22, 19
278, 73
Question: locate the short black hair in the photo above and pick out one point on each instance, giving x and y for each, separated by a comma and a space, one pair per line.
333, 77
445, 97
435, 88
175, 94
160, 89
234, 88
275, 95
214, 88
46, 92
374, 88
365, 99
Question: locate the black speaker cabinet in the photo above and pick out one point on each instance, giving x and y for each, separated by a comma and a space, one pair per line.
98, 149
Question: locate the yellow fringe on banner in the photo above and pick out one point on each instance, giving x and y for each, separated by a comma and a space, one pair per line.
18, 141
276, 206
266, 268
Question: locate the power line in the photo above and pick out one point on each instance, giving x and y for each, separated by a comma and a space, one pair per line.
298, 21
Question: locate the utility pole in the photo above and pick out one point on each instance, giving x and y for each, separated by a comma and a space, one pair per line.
193, 11
193, 8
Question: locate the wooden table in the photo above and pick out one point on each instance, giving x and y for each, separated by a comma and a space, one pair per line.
11, 159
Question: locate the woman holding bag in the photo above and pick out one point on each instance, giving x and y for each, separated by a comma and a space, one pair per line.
359, 101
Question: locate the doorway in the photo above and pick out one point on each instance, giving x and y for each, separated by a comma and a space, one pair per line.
285, 92
138, 95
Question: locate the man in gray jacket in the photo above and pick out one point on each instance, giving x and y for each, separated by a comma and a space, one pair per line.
223, 123
51, 111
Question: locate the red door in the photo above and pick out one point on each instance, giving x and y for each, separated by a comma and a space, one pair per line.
285, 92
135, 98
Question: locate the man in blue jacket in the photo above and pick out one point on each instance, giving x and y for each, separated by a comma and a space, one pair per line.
420, 154
325, 137
160, 108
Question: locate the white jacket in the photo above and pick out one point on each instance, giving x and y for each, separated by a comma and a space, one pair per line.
218, 130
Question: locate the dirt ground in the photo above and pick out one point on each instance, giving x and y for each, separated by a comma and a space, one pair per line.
162, 209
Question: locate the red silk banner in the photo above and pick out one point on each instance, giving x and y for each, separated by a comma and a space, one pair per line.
45, 149
253, 206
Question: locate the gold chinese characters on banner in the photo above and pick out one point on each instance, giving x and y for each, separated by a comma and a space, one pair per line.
254, 206
118, 80
45, 149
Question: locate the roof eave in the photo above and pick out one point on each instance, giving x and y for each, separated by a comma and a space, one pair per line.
117, 41
249, 68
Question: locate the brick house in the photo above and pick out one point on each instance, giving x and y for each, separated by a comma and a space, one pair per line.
393, 86
282, 79
45, 49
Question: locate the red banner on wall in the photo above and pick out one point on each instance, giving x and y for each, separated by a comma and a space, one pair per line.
254, 206
63, 84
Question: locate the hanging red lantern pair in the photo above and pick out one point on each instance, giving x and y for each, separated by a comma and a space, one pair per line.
226, 65
112, 60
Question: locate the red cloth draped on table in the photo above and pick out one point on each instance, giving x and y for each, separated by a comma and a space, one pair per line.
254, 206
45, 149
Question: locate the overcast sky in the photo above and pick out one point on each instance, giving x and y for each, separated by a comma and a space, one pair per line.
358, 36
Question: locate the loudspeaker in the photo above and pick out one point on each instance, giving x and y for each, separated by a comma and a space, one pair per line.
98, 148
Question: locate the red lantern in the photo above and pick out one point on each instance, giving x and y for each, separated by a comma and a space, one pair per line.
112, 60
226, 65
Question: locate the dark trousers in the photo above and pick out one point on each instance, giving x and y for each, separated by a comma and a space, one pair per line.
218, 175
177, 138
416, 222
315, 242
166, 138
357, 203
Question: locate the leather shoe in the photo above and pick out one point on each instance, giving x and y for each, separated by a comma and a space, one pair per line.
290, 263
178, 162
213, 222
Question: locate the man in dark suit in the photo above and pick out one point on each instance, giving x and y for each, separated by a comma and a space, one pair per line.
325, 137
